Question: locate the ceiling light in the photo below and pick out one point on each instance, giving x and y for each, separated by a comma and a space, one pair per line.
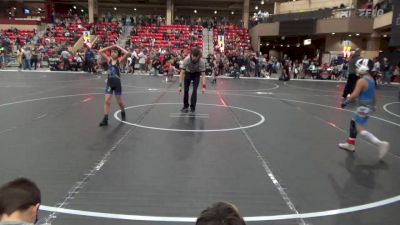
357, 34
74, 6
288, 45
82, 10
195, 11
349, 35
215, 12
333, 33
232, 12
262, 2
134, 9
115, 8
256, 8
281, 45
385, 35
39, 9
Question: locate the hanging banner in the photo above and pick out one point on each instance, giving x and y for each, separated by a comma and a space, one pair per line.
86, 38
395, 34
346, 48
221, 42
346, 51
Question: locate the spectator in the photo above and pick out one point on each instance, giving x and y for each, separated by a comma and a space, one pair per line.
18, 41
142, 60
79, 60
135, 58
89, 60
387, 71
34, 59
65, 55
376, 70
220, 213
156, 64
19, 202
27, 55
170, 70
396, 71
235, 71
367, 5
2, 58
296, 69
19, 57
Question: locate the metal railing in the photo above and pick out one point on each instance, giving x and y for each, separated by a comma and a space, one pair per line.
323, 14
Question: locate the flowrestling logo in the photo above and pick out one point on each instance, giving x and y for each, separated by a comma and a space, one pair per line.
370, 12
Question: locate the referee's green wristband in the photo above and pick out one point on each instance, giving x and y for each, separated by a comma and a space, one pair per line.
180, 84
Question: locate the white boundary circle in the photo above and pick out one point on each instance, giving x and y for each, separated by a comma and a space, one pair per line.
262, 119
248, 219
357, 208
388, 111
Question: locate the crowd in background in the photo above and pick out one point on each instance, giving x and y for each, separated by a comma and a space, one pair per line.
159, 20
40, 49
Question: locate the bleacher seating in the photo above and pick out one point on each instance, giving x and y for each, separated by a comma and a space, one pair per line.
112, 36
100, 32
233, 35
21, 34
146, 33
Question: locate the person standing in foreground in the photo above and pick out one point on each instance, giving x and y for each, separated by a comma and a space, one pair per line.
192, 68
19, 202
365, 91
220, 213
113, 80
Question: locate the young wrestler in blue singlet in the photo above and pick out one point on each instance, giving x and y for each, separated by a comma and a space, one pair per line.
366, 93
113, 81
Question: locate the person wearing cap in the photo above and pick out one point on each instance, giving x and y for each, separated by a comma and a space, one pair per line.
192, 68
365, 91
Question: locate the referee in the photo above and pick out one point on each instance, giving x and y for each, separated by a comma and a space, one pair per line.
192, 68
352, 78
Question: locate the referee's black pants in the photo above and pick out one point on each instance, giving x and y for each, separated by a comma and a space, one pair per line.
350, 84
189, 77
